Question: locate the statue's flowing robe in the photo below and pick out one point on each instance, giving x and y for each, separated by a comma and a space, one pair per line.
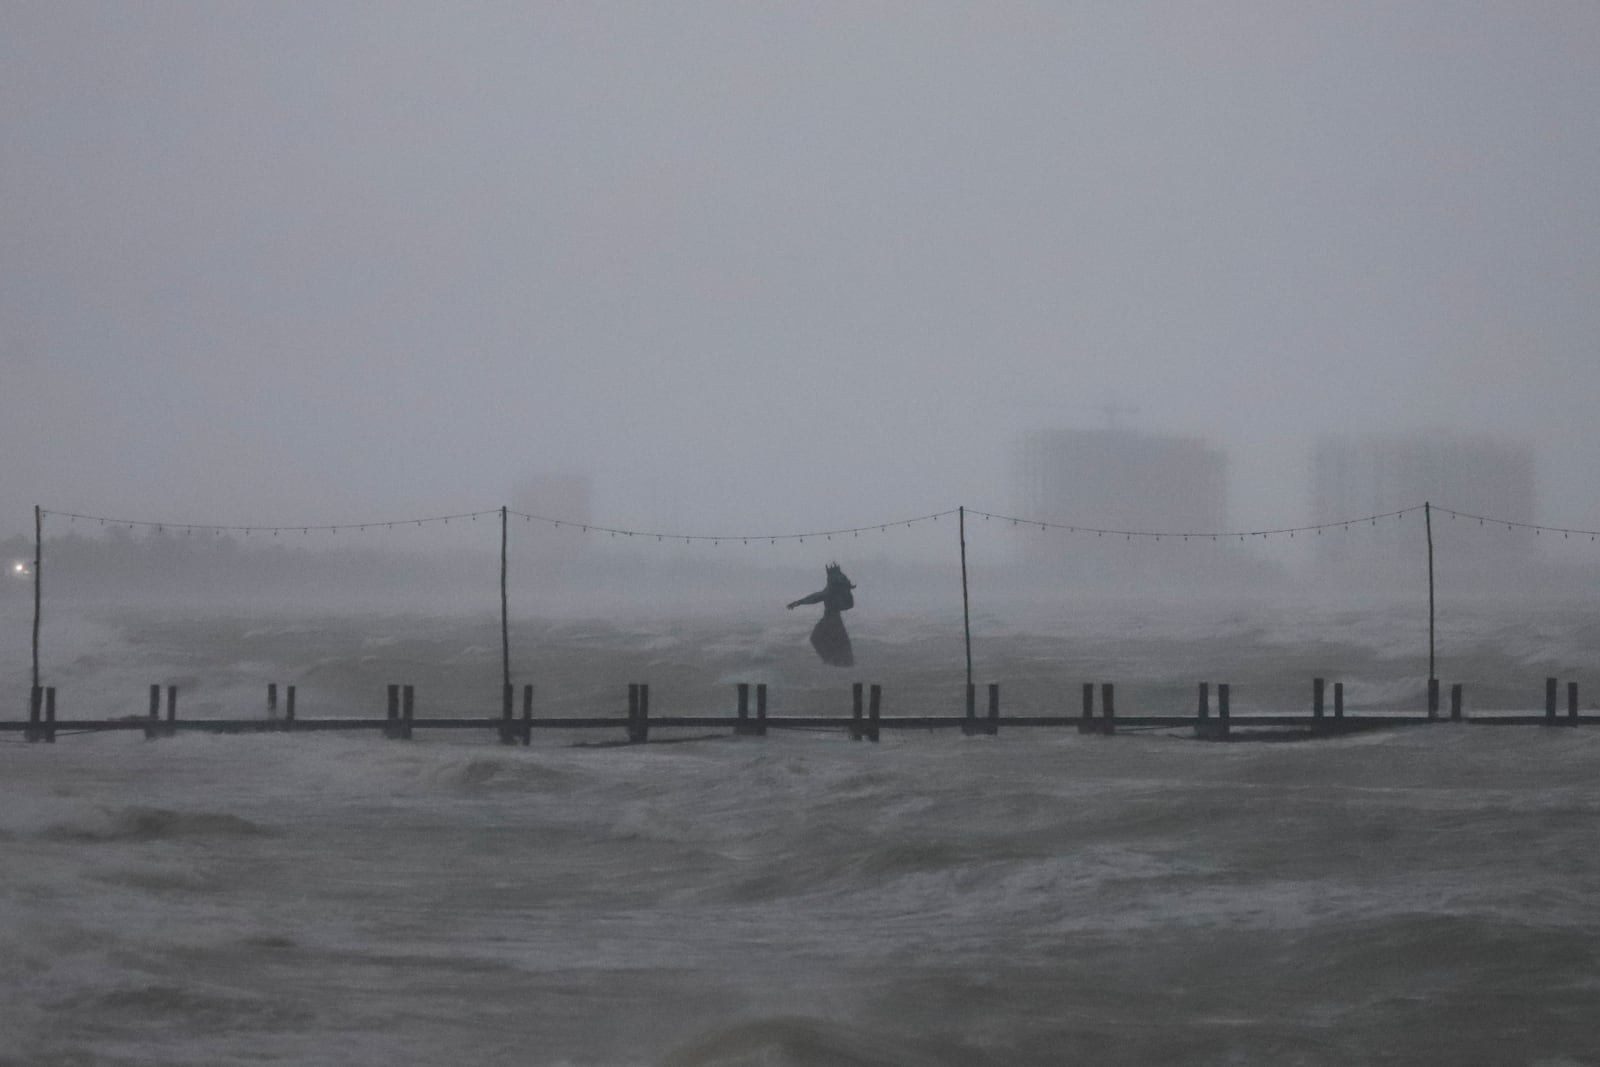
831, 641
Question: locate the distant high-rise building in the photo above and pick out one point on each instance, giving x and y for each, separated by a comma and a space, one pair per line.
1126, 480
567, 498
1117, 479
1375, 474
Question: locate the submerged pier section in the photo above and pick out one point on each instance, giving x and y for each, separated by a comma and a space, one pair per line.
865, 721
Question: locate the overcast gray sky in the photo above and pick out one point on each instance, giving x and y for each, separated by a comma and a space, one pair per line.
776, 265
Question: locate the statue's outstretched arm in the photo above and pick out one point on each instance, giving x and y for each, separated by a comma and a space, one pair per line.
814, 598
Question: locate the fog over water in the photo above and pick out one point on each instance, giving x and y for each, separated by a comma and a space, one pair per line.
789, 267
741, 272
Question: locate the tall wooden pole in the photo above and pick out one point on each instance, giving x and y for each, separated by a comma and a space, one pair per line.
38, 561
966, 618
505, 627
1427, 516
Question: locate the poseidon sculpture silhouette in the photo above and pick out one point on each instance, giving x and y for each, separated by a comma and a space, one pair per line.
828, 637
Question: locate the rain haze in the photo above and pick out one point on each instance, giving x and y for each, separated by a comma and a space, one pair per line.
1236, 311
778, 267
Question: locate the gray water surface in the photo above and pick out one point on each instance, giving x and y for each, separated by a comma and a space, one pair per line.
1422, 896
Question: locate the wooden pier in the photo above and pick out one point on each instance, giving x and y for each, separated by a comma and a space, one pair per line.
865, 721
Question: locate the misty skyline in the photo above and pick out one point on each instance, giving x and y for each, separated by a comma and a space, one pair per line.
780, 267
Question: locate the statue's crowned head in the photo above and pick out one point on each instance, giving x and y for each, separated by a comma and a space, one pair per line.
836, 576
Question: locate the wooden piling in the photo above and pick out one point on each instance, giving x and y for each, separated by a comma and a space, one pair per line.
761, 709
1433, 698
1108, 708
1204, 727
35, 711
1455, 702
1572, 703
969, 724
150, 727
50, 714
742, 726
527, 715
1086, 723
874, 707
288, 708
638, 713
508, 707
272, 700
1224, 691
172, 711
408, 710
992, 727
1550, 701
1338, 700
855, 711
391, 720
1318, 685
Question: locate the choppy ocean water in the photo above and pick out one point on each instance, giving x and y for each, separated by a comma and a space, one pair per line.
1421, 896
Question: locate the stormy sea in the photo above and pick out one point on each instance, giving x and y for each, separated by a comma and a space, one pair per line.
1427, 895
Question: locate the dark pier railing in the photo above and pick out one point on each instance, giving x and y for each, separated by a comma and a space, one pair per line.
866, 720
